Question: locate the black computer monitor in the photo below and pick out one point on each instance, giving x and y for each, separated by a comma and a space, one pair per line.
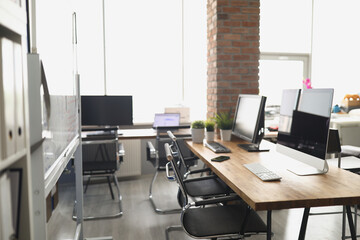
106, 110
304, 127
249, 121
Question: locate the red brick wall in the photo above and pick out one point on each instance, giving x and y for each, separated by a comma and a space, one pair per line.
233, 52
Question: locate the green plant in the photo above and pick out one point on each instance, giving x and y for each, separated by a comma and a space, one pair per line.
224, 120
209, 125
199, 124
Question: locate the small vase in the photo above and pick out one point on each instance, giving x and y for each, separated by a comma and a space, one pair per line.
209, 136
225, 135
197, 135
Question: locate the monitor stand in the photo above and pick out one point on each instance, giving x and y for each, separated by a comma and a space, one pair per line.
306, 170
253, 148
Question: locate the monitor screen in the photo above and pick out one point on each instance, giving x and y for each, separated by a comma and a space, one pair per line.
249, 119
166, 120
106, 110
304, 126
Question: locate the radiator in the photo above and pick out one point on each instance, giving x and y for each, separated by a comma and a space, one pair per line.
131, 166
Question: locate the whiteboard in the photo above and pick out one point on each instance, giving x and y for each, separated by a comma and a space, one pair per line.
54, 32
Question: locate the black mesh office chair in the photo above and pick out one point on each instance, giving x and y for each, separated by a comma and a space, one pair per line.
156, 155
101, 158
334, 147
213, 218
205, 186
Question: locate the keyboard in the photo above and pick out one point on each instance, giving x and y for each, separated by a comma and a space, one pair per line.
217, 147
262, 172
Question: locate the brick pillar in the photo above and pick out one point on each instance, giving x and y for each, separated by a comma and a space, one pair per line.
233, 52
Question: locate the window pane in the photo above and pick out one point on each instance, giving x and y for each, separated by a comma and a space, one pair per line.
195, 58
144, 54
285, 26
54, 45
90, 47
276, 75
336, 47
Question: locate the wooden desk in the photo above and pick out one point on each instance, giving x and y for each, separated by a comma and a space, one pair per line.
337, 187
148, 133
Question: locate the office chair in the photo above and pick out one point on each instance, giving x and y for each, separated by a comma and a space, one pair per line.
184, 165
334, 147
156, 156
204, 187
101, 158
214, 217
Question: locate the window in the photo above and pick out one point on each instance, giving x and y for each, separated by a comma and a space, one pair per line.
308, 27
281, 71
154, 51
285, 46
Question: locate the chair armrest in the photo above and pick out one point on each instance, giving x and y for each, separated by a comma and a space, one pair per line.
200, 178
167, 168
151, 149
350, 150
199, 171
121, 150
216, 200
187, 159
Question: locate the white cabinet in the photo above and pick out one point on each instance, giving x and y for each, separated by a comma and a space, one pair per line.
15, 174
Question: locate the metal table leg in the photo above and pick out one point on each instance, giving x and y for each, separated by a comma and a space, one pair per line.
304, 224
268, 224
351, 223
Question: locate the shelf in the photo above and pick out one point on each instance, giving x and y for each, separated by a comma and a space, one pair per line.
7, 162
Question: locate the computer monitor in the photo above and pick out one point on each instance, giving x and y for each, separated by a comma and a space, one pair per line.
249, 121
304, 128
166, 120
106, 110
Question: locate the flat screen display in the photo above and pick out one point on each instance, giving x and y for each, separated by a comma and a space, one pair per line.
106, 110
248, 117
304, 123
166, 120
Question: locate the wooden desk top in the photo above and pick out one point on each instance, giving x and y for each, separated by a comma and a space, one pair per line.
337, 187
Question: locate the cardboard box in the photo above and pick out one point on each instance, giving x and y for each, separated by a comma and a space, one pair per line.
351, 101
52, 201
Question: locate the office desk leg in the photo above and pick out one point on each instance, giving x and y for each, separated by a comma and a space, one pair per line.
304, 223
351, 223
268, 224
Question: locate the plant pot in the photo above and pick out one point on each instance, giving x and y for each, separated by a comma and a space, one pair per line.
197, 135
209, 136
225, 135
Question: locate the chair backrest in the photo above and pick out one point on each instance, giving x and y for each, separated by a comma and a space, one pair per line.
100, 154
183, 151
172, 157
334, 145
161, 151
161, 139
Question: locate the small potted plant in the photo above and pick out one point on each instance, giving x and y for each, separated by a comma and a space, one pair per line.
209, 133
197, 131
224, 121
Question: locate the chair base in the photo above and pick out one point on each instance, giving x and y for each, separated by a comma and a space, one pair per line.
156, 209
100, 238
171, 229
119, 198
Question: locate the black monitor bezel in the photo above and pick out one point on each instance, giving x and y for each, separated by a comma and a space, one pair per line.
126, 121
260, 120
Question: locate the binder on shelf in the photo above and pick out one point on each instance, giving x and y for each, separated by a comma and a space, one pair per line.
19, 98
10, 196
7, 92
7, 226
